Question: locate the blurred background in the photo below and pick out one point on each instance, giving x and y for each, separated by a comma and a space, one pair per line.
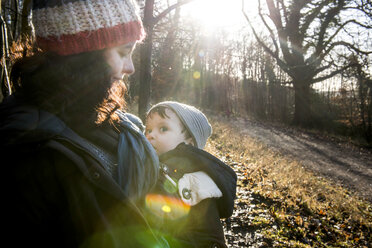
303, 63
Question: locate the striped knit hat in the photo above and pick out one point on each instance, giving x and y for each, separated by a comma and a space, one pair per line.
194, 120
75, 26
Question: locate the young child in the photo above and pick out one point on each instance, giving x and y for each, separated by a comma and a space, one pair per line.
196, 189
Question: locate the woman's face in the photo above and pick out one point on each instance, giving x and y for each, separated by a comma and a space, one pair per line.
120, 60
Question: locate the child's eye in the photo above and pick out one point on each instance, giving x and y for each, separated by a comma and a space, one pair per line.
148, 131
163, 129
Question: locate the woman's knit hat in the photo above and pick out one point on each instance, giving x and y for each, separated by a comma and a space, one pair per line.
194, 120
75, 26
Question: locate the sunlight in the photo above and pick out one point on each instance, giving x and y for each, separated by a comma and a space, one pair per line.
215, 14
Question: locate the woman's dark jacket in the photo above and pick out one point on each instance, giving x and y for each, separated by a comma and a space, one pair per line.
201, 226
57, 191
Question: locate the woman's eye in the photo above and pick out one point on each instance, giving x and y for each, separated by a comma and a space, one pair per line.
163, 129
123, 54
148, 131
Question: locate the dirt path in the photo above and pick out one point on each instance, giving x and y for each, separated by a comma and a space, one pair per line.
340, 161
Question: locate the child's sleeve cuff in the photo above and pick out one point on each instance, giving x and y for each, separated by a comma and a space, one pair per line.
197, 186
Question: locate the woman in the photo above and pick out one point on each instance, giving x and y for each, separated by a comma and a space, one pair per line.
62, 130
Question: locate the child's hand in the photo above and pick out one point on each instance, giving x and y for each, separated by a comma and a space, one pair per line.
197, 186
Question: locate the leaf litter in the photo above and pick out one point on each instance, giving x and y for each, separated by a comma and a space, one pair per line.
290, 208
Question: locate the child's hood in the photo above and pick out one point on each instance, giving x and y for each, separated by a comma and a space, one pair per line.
186, 159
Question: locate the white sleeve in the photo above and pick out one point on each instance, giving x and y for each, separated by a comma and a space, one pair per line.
197, 186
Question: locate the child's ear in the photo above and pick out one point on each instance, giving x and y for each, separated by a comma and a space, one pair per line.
190, 141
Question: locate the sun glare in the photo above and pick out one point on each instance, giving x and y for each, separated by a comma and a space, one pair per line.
215, 14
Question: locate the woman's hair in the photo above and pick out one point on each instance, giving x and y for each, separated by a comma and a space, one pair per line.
73, 87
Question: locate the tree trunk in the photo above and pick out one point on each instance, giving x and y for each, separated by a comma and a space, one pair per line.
146, 52
302, 114
145, 77
246, 95
26, 28
6, 88
283, 103
369, 116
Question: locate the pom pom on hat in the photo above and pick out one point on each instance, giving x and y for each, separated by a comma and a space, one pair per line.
75, 26
194, 120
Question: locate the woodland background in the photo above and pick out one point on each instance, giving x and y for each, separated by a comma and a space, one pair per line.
290, 70
305, 63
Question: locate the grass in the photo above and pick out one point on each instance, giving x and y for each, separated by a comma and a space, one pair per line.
305, 209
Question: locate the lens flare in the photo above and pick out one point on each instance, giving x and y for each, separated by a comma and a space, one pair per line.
167, 207
196, 75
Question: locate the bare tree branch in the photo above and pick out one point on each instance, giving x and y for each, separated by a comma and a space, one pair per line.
320, 79
5, 54
285, 13
330, 15
272, 35
318, 57
169, 9
323, 68
348, 45
311, 17
275, 55
275, 17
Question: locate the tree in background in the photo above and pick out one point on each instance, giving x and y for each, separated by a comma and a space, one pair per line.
167, 59
359, 98
264, 84
149, 22
304, 35
247, 73
15, 25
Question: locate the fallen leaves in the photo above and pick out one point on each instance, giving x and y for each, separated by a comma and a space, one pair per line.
279, 204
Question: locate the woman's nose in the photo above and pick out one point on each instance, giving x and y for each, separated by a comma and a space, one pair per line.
128, 67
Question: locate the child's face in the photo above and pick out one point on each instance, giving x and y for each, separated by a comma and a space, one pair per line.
164, 133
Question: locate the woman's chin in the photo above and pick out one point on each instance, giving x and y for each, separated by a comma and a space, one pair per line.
116, 79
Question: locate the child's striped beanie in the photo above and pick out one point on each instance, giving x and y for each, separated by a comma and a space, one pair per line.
75, 26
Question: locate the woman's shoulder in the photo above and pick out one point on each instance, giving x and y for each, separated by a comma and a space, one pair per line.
129, 119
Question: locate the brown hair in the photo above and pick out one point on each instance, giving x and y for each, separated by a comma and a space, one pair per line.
73, 87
